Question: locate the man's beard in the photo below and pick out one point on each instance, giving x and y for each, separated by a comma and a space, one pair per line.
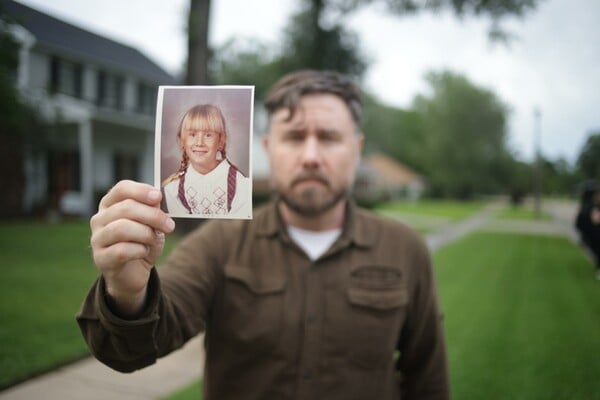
312, 202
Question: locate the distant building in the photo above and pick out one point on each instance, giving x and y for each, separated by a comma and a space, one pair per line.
381, 177
99, 97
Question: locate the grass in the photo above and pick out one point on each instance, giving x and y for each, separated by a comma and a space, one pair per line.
429, 215
521, 312
46, 271
522, 213
522, 317
191, 392
451, 210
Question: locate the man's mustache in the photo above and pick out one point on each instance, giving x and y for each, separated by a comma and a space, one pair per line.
311, 176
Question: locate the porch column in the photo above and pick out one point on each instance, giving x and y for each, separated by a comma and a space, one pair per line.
86, 159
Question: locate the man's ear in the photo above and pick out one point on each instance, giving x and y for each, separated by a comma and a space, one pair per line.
360, 145
265, 142
361, 142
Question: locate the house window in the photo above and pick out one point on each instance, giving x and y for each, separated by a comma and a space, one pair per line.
66, 77
126, 166
109, 90
146, 99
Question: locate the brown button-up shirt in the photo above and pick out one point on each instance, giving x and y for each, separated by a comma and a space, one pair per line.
360, 322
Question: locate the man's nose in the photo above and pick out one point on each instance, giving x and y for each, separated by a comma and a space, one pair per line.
311, 152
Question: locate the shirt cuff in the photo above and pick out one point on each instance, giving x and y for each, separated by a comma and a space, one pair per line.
111, 319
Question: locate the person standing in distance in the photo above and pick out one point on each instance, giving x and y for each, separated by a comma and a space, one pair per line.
315, 298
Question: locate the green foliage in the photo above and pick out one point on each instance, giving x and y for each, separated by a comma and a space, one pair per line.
588, 161
308, 43
558, 177
246, 63
12, 113
465, 148
521, 313
18, 121
494, 10
396, 132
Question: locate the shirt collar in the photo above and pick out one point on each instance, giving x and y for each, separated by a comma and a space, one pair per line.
356, 228
221, 166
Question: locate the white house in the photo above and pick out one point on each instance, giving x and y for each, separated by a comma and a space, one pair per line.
99, 97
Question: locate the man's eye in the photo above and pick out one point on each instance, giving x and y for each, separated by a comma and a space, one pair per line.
294, 137
329, 137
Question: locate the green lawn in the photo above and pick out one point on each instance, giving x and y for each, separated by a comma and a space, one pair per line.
46, 272
191, 392
452, 210
522, 317
522, 312
427, 216
522, 213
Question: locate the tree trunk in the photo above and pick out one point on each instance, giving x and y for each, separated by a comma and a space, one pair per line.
198, 52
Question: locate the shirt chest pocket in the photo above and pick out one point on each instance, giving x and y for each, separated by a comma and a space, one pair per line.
253, 307
376, 299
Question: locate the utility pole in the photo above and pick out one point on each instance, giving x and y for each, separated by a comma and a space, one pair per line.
537, 176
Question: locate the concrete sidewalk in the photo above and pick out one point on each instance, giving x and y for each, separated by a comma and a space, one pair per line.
89, 379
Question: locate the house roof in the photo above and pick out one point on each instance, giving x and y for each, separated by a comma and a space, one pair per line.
391, 171
68, 40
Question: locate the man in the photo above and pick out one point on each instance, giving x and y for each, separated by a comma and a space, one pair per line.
313, 299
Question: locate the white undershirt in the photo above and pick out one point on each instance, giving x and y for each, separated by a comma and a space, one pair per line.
314, 243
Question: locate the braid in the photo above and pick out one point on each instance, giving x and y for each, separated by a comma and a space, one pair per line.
182, 167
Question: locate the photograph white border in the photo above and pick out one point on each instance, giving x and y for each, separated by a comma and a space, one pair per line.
237, 104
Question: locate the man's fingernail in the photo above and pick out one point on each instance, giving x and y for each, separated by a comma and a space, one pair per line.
153, 195
170, 224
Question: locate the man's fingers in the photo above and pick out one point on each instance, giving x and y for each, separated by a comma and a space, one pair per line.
140, 192
119, 254
123, 230
130, 209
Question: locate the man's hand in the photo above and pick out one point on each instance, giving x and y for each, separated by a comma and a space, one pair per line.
128, 236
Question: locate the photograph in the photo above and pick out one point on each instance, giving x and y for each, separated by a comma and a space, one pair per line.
203, 160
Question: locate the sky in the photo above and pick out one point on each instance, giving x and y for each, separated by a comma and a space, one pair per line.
552, 64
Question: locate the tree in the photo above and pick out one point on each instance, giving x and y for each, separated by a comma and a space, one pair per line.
394, 131
559, 176
17, 121
465, 142
588, 161
496, 10
308, 43
198, 50
246, 63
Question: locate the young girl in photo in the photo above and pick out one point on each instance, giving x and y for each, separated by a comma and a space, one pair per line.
206, 183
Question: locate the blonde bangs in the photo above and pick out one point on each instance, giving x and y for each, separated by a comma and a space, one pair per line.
204, 118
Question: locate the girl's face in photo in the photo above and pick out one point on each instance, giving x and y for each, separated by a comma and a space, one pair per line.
201, 141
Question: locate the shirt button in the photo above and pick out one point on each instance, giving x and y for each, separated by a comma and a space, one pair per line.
307, 375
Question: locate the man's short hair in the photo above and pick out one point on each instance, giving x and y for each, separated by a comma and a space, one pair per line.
286, 92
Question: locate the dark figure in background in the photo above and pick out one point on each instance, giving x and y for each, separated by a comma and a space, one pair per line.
588, 222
